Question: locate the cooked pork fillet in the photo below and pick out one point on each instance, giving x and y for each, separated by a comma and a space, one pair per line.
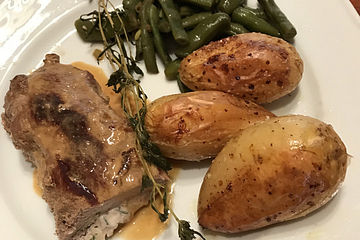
85, 154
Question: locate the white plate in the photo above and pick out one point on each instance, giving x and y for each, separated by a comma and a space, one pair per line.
328, 41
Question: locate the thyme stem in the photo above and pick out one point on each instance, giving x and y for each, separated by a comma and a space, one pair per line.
133, 101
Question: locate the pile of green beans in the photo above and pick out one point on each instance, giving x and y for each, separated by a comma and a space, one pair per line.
184, 25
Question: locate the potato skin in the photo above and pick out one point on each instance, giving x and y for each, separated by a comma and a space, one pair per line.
253, 66
196, 125
279, 170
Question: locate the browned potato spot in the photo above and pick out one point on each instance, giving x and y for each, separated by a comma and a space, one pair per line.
279, 170
195, 126
253, 66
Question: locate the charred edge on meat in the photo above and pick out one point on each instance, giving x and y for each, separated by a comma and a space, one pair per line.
47, 108
76, 187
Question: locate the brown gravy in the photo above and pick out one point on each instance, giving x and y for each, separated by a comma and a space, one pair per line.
139, 228
144, 226
36, 186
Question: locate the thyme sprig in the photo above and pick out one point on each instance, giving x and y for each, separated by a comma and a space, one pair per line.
133, 102
185, 232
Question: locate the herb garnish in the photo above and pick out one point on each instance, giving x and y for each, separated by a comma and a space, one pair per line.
185, 232
133, 102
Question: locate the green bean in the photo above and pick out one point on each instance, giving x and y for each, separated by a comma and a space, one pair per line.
147, 42
285, 27
204, 32
139, 51
228, 6
188, 22
236, 28
89, 32
259, 12
130, 13
186, 11
164, 26
253, 23
193, 20
171, 70
158, 42
129, 5
161, 14
88, 29
205, 4
138, 7
174, 19
182, 87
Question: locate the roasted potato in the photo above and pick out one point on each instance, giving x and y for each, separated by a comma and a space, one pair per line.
253, 66
276, 171
195, 126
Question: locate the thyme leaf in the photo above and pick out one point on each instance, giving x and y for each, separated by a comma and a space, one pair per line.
186, 233
163, 216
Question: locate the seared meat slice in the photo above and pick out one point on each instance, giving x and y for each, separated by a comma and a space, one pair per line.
85, 154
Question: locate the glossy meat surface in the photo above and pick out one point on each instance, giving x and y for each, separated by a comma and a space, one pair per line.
84, 152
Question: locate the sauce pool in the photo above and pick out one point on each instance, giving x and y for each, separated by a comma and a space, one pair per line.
146, 224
